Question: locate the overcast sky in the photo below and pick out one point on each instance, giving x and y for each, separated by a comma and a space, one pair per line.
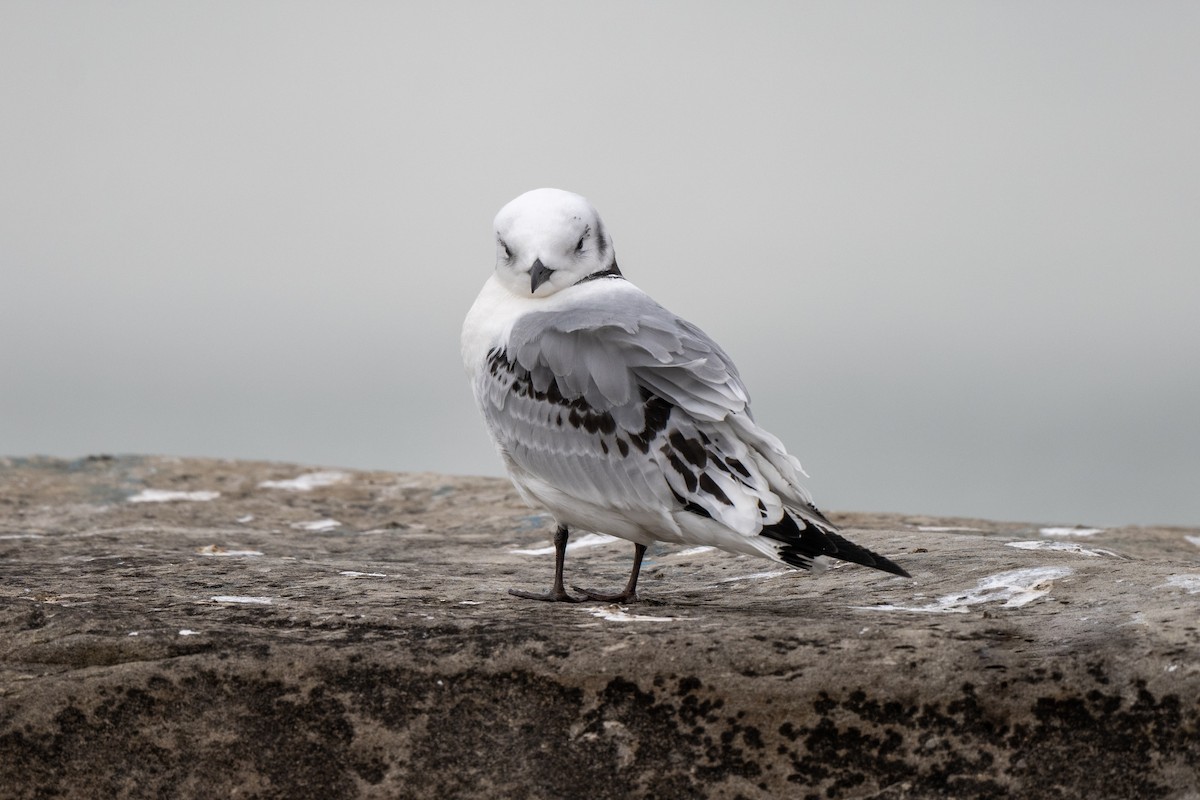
953, 247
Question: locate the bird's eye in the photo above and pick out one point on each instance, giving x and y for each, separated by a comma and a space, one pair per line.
579, 247
507, 252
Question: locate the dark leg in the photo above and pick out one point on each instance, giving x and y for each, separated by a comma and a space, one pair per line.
557, 593
629, 593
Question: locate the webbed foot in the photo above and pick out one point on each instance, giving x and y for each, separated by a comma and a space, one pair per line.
556, 595
622, 597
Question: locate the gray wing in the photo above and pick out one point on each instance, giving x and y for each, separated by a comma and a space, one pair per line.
632, 407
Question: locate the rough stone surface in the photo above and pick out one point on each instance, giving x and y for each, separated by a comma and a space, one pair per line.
355, 640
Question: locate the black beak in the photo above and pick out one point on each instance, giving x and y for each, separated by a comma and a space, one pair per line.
538, 274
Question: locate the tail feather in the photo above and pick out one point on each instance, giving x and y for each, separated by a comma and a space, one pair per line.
849, 551
800, 545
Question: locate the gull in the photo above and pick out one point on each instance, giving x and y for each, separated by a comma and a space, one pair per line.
619, 417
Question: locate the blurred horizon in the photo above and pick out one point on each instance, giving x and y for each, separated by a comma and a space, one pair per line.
952, 248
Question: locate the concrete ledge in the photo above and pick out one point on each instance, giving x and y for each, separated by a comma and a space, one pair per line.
349, 635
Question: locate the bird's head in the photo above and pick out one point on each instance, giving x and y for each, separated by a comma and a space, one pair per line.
547, 240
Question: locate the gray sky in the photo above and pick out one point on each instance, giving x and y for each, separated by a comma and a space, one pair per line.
953, 247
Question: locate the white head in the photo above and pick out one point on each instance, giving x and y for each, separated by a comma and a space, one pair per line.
547, 240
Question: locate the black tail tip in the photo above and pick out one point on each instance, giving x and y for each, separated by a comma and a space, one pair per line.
887, 565
857, 554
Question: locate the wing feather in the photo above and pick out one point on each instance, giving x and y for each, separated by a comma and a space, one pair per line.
626, 407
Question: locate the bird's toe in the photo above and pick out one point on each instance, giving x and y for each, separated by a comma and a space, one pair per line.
552, 596
608, 597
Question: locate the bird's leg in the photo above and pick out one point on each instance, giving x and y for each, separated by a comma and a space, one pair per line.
557, 592
629, 593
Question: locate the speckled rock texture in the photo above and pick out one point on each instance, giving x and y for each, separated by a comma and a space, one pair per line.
200, 628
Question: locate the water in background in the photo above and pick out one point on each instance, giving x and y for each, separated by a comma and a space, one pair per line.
954, 253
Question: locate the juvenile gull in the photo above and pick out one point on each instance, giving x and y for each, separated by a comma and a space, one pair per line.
619, 417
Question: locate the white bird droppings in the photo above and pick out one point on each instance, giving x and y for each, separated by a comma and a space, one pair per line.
945, 528
166, 496
187, 632
1066, 547
306, 483
587, 540
756, 575
621, 615
233, 598
317, 525
349, 573
1070, 531
1189, 583
1016, 588
217, 550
